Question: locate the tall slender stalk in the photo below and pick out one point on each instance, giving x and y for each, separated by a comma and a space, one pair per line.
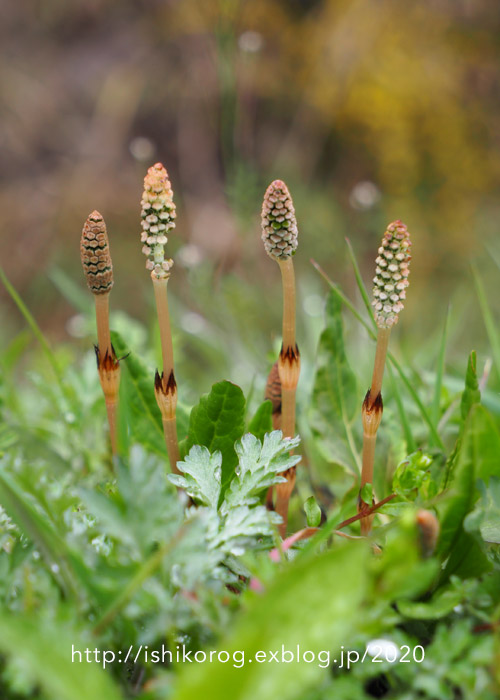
98, 269
390, 283
158, 218
279, 233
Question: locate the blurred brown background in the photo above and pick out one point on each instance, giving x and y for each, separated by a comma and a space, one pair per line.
370, 111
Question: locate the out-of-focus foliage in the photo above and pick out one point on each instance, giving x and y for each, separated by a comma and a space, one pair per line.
370, 111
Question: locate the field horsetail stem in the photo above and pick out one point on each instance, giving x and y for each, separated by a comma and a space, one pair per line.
98, 269
158, 218
280, 234
389, 291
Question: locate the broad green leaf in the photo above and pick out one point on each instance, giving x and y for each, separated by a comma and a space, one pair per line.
467, 558
216, 422
440, 605
471, 394
485, 518
311, 605
262, 421
43, 650
477, 459
145, 423
335, 399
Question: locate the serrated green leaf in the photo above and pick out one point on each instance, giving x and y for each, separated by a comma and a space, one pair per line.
242, 526
259, 466
217, 422
335, 401
262, 421
201, 476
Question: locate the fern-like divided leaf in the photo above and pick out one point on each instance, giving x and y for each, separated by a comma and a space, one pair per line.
259, 466
201, 477
239, 520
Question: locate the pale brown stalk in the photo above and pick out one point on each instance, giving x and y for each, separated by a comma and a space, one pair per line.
98, 269
389, 292
166, 386
289, 371
280, 236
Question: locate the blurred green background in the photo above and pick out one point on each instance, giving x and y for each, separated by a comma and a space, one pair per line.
369, 110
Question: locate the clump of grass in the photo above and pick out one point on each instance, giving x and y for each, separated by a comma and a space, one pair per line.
280, 236
389, 291
98, 269
158, 218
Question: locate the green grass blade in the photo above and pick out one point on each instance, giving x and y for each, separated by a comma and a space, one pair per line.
35, 328
489, 321
440, 371
344, 300
359, 280
39, 530
72, 292
423, 411
410, 440
145, 572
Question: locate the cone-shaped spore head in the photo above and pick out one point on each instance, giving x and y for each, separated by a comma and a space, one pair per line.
391, 277
158, 218
94, 252
279, 225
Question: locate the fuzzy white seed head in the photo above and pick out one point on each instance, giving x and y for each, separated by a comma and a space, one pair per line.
158, 218
391, 277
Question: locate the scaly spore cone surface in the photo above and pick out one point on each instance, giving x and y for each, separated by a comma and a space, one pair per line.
158, 218
279, 225
94, 252
391, 276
